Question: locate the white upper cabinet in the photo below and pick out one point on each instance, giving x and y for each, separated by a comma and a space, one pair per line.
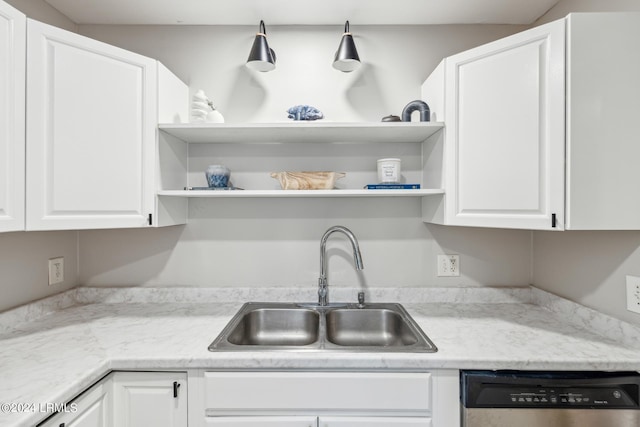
505, 105
603, 122
504, 115
12, 116
92, 120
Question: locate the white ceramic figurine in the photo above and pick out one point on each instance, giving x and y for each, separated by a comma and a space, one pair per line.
202, 109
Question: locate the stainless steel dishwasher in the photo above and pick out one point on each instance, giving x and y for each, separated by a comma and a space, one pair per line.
549, 399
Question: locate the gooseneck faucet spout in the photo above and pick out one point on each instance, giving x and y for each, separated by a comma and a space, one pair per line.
323, 285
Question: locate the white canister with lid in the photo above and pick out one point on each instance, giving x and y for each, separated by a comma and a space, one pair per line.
389, 171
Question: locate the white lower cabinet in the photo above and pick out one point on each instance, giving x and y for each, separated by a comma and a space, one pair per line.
93, 408
329, 399
157, 399
128, 399
266, 399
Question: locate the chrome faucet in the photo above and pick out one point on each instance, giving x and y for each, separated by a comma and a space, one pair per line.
323, 288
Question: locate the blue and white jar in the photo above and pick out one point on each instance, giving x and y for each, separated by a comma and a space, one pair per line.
217, 176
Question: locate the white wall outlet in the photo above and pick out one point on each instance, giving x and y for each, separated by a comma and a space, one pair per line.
56, 270
633, 294
448, 265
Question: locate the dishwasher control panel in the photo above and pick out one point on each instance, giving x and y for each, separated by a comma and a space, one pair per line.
557, 397
532, 389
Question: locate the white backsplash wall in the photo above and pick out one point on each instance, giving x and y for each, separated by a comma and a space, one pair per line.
24, 260
262, 242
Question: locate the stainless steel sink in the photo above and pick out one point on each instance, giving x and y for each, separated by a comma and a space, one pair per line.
375, 327
277, 327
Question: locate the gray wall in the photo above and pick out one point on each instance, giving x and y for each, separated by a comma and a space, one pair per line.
261, 242
24, 256
24, 260
396, 60
275, 242
565, 7
588, 267
43, 12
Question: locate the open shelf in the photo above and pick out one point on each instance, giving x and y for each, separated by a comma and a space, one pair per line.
301, 193
301, 132
396, 139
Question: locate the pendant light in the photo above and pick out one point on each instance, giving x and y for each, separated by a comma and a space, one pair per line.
261, 57
346, 59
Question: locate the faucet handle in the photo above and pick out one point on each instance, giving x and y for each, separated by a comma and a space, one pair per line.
360, 299
322, 292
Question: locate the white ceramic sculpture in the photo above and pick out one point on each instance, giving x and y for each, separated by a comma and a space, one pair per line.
202, 109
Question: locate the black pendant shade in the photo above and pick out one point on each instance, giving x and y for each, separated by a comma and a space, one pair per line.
346, 59
261, 58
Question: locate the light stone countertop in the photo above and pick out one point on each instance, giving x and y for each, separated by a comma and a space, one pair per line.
53, 349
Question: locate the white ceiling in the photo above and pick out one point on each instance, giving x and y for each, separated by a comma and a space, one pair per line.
302, 12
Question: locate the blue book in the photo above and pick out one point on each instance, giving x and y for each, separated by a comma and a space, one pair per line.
392, 186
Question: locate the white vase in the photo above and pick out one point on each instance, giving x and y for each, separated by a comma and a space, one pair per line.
214, 117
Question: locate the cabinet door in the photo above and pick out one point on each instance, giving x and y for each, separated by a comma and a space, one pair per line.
261, 421
505, 112
12, 126
148, 399
91, 111
91, 409
374, 421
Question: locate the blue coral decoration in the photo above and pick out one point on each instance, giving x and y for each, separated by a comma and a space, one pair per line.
304, 112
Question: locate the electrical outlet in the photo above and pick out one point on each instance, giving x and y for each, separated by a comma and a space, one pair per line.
448, 265
633, 294
56, 270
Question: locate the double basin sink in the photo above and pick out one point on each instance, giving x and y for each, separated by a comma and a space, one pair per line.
377, 327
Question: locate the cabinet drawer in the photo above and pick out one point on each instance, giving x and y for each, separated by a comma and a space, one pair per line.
261, 421
326, 391
374, 422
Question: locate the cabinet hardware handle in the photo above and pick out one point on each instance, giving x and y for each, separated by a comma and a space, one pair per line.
150, 217
61, 425
176, 385
553, 220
